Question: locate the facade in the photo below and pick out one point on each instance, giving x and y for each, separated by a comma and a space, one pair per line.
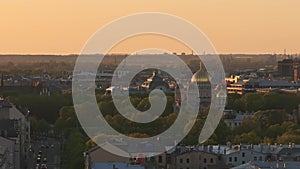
115, 165
8, 157
289, 68
14, 125
239, 157
286, 67
195, 159
268, 165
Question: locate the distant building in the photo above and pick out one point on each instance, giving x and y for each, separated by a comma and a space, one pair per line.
233, 120
289, 68
155, 82
286, 67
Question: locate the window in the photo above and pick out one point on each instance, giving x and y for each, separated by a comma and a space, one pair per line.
230, 159
180, 160
255, 158
260, 158
211, 160
160, 159
235, 158
243, 162
204, 160
243, 154
187, 160
219, 158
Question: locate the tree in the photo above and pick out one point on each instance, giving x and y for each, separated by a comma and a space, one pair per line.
74, 149
252, 101
247, 138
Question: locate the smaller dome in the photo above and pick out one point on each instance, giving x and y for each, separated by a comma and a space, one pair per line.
201, 76
222, 93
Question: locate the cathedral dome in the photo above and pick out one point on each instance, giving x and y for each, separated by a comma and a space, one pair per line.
201, 76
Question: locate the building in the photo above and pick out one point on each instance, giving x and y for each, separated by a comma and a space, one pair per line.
286, 67
289, 68
155, 82
115, 165
233, 120
268, 165
98, 157
15, 125
8, 157
195, 159
202, 78
239, 156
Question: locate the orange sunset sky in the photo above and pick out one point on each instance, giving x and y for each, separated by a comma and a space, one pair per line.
233, 26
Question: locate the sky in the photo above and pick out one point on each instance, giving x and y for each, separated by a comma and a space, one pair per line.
233, 26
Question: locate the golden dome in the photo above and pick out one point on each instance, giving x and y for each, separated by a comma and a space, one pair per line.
201, 76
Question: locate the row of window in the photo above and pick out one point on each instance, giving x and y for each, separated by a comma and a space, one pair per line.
243, 155
204, 160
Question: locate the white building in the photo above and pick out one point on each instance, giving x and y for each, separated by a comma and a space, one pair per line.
238, 157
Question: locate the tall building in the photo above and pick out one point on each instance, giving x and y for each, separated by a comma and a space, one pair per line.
285, 67
289, 68
15, 125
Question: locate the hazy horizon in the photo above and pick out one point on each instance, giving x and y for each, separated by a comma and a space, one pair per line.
234, 27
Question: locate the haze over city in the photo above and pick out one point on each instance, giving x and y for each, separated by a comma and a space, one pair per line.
63, 27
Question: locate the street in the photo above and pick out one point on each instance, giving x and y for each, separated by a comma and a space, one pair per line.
50, 154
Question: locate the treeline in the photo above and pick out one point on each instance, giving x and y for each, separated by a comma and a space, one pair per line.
252, 102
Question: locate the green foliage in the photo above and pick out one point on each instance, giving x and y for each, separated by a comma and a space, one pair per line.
43, 107
38, 126
247, 138
75, 146
67, 120
253, 102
